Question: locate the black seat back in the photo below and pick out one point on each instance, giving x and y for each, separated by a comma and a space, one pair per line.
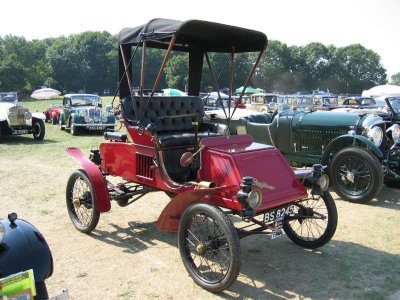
162, 107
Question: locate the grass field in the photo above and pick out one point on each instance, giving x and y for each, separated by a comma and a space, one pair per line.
127, 258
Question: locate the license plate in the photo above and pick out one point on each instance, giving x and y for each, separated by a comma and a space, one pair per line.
277, 214
21, 131
96, 127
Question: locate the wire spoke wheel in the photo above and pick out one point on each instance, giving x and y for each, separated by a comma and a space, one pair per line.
80, 202
356, 174
209, 247
313, 222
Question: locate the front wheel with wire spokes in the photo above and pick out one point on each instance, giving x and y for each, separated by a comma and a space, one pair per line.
313, 222
81, 204
209, 246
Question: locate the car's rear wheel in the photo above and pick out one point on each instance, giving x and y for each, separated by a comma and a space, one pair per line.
38, 129
356, 175
60, 123
209, 246
81, 204
313, 221
54, 120
392, 182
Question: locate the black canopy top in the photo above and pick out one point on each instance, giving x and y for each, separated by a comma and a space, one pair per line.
209, 36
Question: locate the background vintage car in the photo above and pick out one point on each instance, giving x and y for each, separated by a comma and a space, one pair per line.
84, 111
358, 151
263, 102
16, 119
52, 113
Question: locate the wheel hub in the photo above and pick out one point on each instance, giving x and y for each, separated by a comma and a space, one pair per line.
76, 202
350, 176
201, 249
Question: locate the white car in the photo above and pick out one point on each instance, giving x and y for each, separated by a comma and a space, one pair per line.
16, 119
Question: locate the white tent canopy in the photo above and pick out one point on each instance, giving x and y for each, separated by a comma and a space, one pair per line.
382, 90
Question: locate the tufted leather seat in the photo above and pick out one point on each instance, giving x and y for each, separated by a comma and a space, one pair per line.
171, 132
176, 135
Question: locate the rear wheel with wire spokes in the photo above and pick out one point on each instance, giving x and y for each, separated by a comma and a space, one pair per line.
313, 222
209, 246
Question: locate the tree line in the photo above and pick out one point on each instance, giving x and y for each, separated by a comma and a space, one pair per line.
89, 61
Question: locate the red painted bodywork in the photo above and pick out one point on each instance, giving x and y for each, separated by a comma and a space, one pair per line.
223, 160
52, 111
170, 216
96, 178
226, 160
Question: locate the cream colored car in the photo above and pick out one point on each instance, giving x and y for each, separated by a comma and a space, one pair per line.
263, 102
16, 119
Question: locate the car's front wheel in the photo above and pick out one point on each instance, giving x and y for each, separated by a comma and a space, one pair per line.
209, 246
38, 129
73, 129
54, 120
81, 204
356, 175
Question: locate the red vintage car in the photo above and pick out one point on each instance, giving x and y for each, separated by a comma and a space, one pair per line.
52, 113
209, 175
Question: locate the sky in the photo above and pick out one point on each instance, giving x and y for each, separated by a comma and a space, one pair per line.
375, 24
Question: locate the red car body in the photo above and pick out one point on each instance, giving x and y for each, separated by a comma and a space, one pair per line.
52, 113
208, 173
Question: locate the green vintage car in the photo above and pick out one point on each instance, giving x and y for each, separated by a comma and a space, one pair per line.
354, 146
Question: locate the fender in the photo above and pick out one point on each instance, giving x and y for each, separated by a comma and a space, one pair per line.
39, 115
96, 178
171, 214
351, 138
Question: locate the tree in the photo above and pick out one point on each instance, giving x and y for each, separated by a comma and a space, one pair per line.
274, 71
22, 64
177, 71
87, 61
358, 69
395, 79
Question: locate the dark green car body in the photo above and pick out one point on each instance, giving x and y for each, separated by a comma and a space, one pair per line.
341, 141
84, 111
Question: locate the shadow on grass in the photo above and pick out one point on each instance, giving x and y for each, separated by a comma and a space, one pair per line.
279, 269
25, 140
388, 198
135, 237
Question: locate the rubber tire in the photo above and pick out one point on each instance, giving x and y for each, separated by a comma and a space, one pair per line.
226, 226
94, 218
73, 129
391, 182
41, 291
329, 230
39, 129
374, 167
54, 120
60, 123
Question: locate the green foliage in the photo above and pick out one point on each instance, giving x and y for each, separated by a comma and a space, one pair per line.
88, 61
395, 79
177, 71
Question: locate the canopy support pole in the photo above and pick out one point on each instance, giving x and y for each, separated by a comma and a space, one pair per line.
215, 81
250, 76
